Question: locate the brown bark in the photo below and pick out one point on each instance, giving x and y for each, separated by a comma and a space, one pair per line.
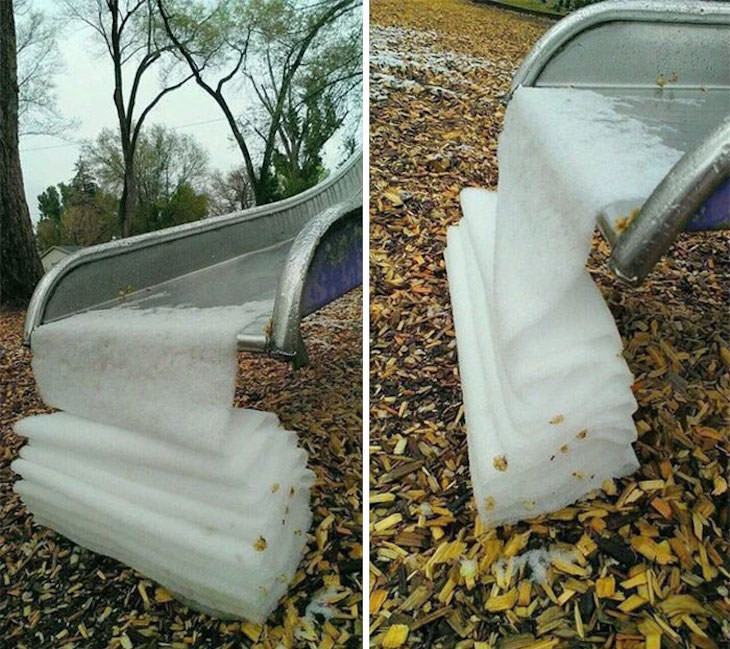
20, 265
128, 200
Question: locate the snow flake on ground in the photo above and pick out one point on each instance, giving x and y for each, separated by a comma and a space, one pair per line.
415, 61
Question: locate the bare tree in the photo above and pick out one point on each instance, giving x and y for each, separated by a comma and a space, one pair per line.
230, 192
20, 266
282, 34
131, 34
38, 62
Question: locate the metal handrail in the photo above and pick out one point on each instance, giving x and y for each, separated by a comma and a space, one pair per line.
284, 340
698, 174
692, 180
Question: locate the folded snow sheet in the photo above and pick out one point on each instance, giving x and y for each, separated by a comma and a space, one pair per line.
169, 372
150, 465
547, 393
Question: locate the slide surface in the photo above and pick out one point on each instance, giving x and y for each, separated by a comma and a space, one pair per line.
285, 260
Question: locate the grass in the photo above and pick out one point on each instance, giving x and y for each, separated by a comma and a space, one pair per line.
532, 5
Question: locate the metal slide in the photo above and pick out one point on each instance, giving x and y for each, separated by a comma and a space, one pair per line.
290, 258
668, 62
147, 462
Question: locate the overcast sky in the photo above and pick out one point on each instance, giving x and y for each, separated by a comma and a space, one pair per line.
84, 91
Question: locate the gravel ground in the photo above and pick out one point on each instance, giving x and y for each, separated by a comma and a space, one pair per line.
651, 566
55, 594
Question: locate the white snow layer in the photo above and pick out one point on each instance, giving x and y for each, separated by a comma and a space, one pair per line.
408, 59
168, 372
150, 465
547, 393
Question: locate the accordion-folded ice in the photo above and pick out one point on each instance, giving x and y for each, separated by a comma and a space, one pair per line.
210, 501
547, 393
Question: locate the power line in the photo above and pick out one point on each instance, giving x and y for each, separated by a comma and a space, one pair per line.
207, 121
51, 146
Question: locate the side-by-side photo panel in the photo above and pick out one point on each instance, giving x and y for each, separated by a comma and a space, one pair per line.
181, 189
549, 331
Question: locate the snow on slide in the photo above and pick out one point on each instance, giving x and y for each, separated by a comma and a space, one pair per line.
547, 393
149, 464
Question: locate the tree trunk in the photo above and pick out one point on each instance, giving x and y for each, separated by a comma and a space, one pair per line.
128, 201
264, 187
20, 265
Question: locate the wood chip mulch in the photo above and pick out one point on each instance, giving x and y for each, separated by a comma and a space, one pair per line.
54, 593
650, 563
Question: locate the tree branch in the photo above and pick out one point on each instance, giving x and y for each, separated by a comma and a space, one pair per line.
216, 95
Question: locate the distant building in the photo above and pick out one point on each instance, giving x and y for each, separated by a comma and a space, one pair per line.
54, 254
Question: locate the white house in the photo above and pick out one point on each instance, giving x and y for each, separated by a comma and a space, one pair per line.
51, 256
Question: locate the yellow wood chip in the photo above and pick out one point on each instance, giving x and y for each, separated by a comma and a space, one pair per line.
395, 636
681, 605
252, 631
143, 594
162, 595
388, 522
502, 602
570, 568
524, 591
394, 198
653, 641
516, 544
606, 586
634, 581
377, 598
586, 545
382, 498
632, 603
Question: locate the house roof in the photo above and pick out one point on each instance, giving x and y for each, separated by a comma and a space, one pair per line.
66, 249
